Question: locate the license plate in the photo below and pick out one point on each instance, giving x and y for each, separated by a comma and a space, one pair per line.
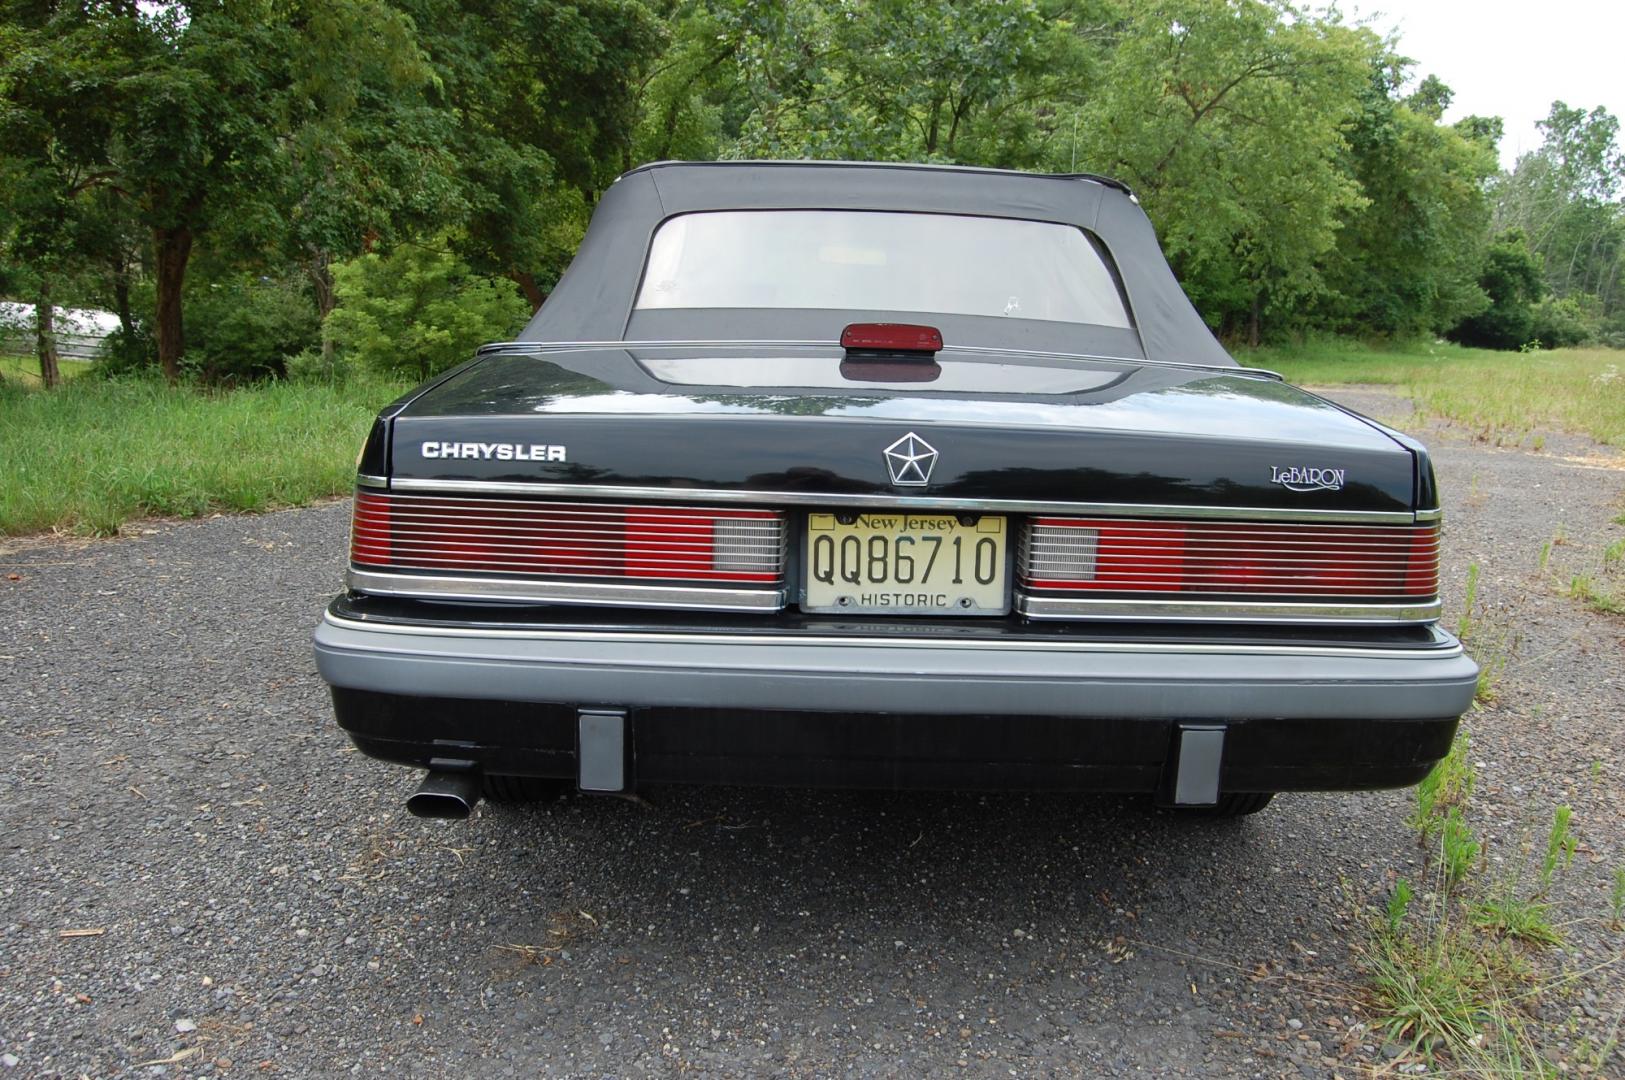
906, 564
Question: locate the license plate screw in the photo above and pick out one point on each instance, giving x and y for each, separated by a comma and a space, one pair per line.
965, 601
969, 519
847, 519
843, 601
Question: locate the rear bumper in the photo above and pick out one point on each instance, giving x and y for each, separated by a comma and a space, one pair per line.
912, 711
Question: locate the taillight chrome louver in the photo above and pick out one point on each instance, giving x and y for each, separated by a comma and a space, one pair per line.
533, 539
1370, 569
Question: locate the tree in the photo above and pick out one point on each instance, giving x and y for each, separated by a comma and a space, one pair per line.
1511, 279
50, 164
541, 96
1227, 117
972, 82
184, 112
367, 159
1408, 258
418, 310
1566, 198
200, 105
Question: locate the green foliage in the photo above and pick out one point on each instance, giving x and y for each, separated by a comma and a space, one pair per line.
1430, 990
1512, 916
1444, 791
1511, 280
1595, 595
419, 310
1228, 118
1566, 199
127, 353
244, 329
1399, 905
1440, 973
895, 80
68, 467
537, 108
1469, 601
1528, 918
1298, 172
1407, 260
1560, 846
1458, 848
1559, 322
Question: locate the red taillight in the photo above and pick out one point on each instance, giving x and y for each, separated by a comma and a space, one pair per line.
1245, 558
369, 529
1422, 570
891, 337
523, 536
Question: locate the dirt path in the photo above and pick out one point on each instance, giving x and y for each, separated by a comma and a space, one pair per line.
171, 783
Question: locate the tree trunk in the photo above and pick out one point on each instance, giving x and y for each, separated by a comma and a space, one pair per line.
319, 268
527, 285
172, 248
1254, 319
121, 295
50, 373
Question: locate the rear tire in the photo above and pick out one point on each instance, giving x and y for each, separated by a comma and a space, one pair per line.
524, 789
1236, 804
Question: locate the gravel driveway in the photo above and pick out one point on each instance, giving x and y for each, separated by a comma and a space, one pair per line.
196, 869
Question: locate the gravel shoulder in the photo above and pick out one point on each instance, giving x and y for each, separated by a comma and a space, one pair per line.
254, 896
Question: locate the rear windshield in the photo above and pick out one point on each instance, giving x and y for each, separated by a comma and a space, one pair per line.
875, 261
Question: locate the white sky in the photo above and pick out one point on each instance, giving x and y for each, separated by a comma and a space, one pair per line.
1511, 58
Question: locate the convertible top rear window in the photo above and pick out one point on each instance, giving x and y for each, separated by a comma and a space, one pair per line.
881, 261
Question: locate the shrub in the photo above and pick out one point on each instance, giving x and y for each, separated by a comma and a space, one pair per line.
1511, 279
1560, 323
419, 310
127, 354
244, 330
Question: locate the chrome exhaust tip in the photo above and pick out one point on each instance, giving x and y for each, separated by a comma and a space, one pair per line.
445, 794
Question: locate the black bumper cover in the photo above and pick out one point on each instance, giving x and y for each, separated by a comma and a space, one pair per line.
823, 749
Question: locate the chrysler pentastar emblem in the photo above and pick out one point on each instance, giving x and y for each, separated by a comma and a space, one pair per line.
911, 460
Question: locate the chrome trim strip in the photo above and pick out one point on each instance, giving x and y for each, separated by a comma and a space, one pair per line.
1429, 515
542, 348
1445, 647
367, 480
772, 499
1345, 614
428, 587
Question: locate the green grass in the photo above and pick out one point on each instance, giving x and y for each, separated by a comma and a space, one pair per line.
1447, 788
1595, 595
1452, 973
95, 454
25, 369
1454, 997
1519, 917
1497, 393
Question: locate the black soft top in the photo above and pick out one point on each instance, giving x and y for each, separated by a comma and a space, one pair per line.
594, 299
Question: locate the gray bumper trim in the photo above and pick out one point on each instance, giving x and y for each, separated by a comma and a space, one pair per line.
1075, 679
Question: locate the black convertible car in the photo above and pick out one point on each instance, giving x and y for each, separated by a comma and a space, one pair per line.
883, 475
